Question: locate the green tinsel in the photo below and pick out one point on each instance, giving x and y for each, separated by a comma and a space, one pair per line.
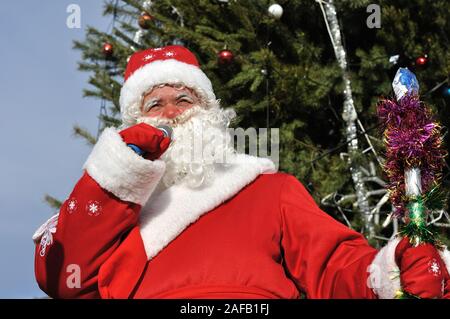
419, 234
405, 295
417, 229
435, 199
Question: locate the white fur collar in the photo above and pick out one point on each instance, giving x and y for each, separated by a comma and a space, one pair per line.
168, 213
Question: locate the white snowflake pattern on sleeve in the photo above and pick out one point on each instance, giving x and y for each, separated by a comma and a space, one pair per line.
45, 234
94, 208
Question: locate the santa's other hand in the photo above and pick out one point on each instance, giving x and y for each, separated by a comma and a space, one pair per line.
422, 271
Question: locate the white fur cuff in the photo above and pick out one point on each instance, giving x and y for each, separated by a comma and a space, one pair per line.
384, 278
118, 169
445, 255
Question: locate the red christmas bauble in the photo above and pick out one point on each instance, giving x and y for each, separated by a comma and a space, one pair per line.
144, 20
422, 60
108, 49
225, 56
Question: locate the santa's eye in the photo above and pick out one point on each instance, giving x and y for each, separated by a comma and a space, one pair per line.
184, 100
152, 105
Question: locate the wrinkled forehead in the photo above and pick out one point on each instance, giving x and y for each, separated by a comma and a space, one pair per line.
177, 89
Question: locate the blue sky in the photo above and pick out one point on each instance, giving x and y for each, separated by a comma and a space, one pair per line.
41, 100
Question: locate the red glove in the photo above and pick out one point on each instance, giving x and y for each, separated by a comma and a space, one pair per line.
148, 138
422, 271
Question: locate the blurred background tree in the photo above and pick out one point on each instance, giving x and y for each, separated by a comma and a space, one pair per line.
279, 70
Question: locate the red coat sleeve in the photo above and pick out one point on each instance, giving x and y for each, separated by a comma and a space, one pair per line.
324, 258
90, 226
95, 220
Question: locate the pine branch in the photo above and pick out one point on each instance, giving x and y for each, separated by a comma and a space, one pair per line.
80, 132
109, 121
128, 40
53, 202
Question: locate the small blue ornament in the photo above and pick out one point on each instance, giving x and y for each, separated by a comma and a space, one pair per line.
405, 82
446, 91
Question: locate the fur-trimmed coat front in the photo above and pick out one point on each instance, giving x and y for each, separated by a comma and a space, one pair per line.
252, 233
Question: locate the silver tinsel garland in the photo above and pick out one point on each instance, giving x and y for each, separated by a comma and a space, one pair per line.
349, 115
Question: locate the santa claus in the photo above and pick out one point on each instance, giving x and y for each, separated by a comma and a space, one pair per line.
155, 216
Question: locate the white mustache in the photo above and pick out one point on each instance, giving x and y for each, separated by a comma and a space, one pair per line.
179, 119
200, 142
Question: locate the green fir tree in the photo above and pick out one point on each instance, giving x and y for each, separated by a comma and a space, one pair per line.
285, 75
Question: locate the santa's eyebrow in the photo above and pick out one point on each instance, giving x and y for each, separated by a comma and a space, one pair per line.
181, 95
151, 102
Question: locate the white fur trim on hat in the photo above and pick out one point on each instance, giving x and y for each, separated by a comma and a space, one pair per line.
162, 72
118, 169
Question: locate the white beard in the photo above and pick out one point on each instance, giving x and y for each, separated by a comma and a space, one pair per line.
200, 141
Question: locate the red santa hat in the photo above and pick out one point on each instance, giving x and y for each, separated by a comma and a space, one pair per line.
167, 65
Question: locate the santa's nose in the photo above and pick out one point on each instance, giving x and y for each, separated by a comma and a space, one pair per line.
171, 111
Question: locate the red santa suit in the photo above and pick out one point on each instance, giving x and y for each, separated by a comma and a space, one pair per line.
252, 233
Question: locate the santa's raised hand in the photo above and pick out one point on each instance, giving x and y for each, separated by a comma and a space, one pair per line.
146, 139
